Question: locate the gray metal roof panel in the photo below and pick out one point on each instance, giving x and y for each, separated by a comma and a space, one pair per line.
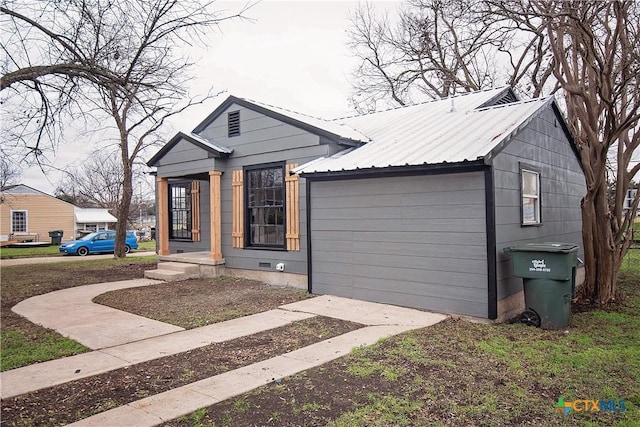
431, 133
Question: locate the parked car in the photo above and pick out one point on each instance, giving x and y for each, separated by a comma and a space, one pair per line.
98, 242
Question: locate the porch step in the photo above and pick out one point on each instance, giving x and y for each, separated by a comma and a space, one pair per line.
173, 271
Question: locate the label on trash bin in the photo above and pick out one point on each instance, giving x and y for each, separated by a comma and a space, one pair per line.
539, 265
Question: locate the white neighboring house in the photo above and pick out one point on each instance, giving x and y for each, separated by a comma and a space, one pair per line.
628, 200
93, 219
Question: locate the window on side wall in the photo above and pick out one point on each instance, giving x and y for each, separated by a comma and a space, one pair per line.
18, 222
265, 213
530, 190
180, 211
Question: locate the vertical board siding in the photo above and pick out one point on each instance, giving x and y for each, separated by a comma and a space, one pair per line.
162, 226
215, 212
292, 183
543, 145
195, 210
237, 198
409, 241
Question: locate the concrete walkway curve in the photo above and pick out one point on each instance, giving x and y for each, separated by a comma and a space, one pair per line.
71, 311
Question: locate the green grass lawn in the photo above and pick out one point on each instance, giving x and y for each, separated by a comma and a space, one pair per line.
22, 342
48, 251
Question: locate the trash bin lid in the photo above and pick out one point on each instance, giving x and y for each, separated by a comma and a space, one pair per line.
545, 247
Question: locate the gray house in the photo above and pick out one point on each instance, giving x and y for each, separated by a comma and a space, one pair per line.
411, 206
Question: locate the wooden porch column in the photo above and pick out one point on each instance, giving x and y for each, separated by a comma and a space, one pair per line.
162, 231
216, 215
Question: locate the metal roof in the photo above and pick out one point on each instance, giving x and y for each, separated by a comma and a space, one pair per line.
93, 215
340, 129
443, 131
207, 143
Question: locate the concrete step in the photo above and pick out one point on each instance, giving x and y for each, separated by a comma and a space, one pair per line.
179, 266
173, 272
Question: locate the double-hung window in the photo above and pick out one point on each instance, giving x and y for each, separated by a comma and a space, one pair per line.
19, 222
265, 197
530, 190
180, 211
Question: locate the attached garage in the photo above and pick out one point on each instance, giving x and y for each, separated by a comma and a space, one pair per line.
406, 240
420, 216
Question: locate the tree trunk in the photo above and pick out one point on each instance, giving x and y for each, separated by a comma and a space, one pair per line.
602, 256
123, 210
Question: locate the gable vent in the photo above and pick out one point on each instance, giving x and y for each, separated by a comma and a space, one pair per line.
507, 97
233, 121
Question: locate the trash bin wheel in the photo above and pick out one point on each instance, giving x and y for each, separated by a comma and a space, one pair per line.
530, 318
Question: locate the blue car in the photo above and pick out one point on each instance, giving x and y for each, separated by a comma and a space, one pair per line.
98, 242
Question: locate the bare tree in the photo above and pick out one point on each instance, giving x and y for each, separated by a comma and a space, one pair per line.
597, 63
96, 183
438, 48
119, 58
589, 49
9, 173
99, 182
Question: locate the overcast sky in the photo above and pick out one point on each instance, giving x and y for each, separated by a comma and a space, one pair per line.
293, 54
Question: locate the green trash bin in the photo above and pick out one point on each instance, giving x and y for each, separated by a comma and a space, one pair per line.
548, 273
56, 237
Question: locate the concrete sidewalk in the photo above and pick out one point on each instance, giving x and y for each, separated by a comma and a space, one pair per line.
65, 258
70, 312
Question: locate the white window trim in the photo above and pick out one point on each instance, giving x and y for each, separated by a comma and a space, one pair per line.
26, 222
536, 197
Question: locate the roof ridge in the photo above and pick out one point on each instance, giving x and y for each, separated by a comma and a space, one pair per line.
520, 102
429, 101
253, 101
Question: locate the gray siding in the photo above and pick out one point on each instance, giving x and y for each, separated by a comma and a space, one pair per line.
185, 155
262, 140
543, 145
412, 241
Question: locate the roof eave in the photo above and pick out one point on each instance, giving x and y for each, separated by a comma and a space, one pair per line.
405, 170
181, 135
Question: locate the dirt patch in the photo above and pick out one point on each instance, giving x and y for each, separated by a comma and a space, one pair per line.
79, 399
199, 302
404, 380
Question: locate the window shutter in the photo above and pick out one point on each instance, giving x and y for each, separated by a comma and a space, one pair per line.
195, 211
237, 196
292, 184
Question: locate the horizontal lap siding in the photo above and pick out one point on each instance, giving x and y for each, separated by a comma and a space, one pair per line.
263, 139
411, 241
44, 213
543, 145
